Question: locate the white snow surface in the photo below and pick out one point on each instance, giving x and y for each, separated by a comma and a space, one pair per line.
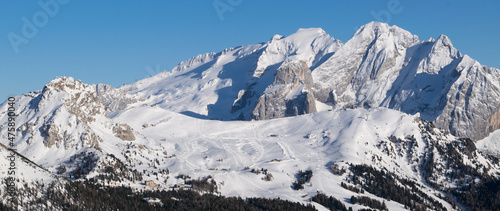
380, 66
206, 86
490, 144
228, 150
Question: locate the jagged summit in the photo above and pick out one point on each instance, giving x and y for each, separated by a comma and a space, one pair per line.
445, 40
376, 26
309, 45
373, 27
65, 84
384, 65
376, 30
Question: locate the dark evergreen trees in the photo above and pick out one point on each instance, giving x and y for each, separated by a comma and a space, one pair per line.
90, 196
302, 178
329, 202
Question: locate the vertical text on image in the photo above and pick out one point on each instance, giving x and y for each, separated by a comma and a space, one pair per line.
11, 136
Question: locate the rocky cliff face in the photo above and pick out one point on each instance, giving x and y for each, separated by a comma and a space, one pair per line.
63, 116
124, 132
473, 101
289, 95
243, 82
387, 66
114, 99
63, 111
362, 71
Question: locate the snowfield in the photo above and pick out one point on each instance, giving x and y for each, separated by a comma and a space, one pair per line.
229, 150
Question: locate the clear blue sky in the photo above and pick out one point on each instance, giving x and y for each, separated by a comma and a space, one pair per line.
118, 42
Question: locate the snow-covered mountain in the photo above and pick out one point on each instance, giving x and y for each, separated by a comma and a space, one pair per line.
389, 67
385, 109
237, 82
380, 66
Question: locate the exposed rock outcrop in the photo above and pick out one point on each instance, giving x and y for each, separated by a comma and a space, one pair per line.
289, 95
386, 66
124, 132
70, 106
113, 99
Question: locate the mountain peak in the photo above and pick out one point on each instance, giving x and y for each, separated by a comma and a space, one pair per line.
443, 48
367, 71
308, 34
301, 34
383, 36
276, 37
65, 84
445, 40
318, 31
376, 29
374, 26
307, 44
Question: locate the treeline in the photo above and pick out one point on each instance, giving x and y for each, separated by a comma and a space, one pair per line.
277, 204
207, 184
367, 201
410, 196
329, 202
90, 196
351, 188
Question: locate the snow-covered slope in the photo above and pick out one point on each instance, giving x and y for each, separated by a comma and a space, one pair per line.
24, 181
227, 85
380, 66
168, 144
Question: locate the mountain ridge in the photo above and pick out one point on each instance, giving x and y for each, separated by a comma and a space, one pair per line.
380, 66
